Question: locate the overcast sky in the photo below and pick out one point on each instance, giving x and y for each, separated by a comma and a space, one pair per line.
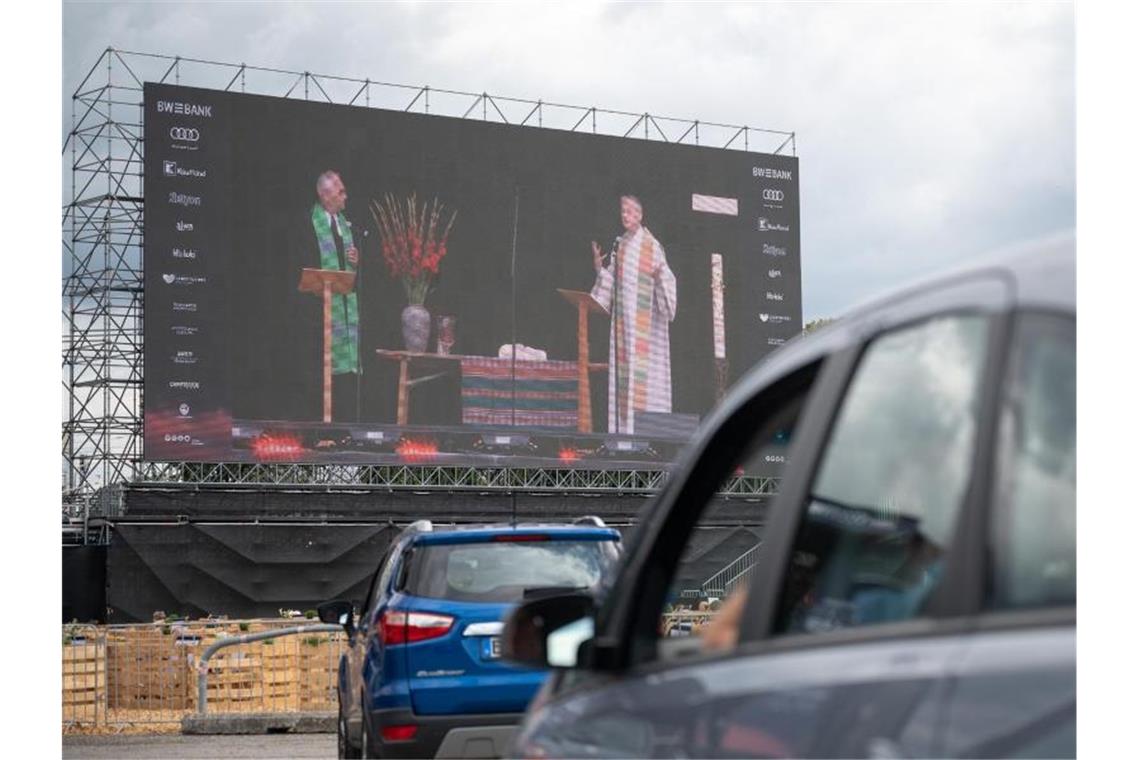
927, 134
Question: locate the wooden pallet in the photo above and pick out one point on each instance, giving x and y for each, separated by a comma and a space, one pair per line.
84, 674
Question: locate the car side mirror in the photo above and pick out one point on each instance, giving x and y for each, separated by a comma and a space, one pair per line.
547, 632
338, 612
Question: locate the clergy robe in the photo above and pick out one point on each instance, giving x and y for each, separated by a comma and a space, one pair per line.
643, 301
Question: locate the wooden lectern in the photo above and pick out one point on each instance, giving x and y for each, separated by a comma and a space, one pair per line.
586, 304
325, 282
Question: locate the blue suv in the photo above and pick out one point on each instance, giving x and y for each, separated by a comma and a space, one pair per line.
422, 676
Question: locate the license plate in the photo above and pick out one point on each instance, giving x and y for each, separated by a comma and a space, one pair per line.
496, 647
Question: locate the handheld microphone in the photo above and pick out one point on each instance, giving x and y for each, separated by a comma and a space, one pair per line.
613, 250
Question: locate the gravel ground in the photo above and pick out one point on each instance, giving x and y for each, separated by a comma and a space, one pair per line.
178, 746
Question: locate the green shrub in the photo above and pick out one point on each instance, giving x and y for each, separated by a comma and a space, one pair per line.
310, 614
243, 626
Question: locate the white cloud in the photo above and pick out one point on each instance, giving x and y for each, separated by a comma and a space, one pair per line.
926, 132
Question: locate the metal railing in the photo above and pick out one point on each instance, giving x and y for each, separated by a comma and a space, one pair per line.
723, 581
265, 636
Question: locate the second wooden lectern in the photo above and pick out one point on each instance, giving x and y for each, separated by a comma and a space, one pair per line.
586, 304
324, 283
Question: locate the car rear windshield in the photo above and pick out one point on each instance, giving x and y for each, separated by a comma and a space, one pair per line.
506, 571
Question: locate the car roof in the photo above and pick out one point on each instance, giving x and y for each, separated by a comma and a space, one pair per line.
490, 532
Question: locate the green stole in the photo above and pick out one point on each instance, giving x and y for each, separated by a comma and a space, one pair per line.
344, 314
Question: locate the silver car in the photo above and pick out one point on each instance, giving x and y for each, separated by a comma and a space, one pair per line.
914, 591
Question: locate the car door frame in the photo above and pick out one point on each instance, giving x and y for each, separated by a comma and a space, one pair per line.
626, 633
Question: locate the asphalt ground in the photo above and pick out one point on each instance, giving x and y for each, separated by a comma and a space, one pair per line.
178, 746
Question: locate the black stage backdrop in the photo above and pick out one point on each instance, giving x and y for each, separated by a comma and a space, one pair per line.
255, 570
85, 584
230, 184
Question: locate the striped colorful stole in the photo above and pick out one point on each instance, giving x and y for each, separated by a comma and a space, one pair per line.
642, 319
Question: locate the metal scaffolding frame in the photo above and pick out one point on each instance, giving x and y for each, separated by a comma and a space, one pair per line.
103, 273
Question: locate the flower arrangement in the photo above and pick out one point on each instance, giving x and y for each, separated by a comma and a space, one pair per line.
411, 241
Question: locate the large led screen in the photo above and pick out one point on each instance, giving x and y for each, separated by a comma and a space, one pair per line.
329, 283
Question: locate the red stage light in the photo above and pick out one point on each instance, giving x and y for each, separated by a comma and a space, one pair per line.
568, 455
416, 450
277, 447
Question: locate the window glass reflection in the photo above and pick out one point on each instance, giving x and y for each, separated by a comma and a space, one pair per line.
886, 498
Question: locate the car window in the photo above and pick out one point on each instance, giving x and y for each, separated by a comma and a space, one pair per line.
1033, 529
721, 551
886, 496
507, 571
381, 577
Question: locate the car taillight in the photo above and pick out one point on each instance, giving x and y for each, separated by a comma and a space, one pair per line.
398, 733
398, 627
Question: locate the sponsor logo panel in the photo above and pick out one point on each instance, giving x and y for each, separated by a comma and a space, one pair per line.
182, 199
182, 279
172, 169
763, 172
185, 134
185, 109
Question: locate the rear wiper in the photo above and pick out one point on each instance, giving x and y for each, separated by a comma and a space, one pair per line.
539, 592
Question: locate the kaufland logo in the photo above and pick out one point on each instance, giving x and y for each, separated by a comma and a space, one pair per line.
185, 109
764, 225
172, 169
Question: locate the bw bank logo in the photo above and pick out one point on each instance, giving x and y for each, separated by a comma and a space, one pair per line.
170, 168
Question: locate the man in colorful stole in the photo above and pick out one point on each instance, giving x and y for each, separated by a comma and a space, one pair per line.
640, 291
337, 251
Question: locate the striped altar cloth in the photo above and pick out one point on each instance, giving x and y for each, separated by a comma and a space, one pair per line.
544, 394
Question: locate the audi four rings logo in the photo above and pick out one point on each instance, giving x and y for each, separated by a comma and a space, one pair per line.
185, 134
773, 195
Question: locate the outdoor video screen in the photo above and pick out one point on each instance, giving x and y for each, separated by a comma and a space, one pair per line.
330, 283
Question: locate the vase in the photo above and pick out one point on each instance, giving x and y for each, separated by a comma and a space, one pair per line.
417, 327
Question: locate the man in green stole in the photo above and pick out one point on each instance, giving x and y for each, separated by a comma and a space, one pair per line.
337, 251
